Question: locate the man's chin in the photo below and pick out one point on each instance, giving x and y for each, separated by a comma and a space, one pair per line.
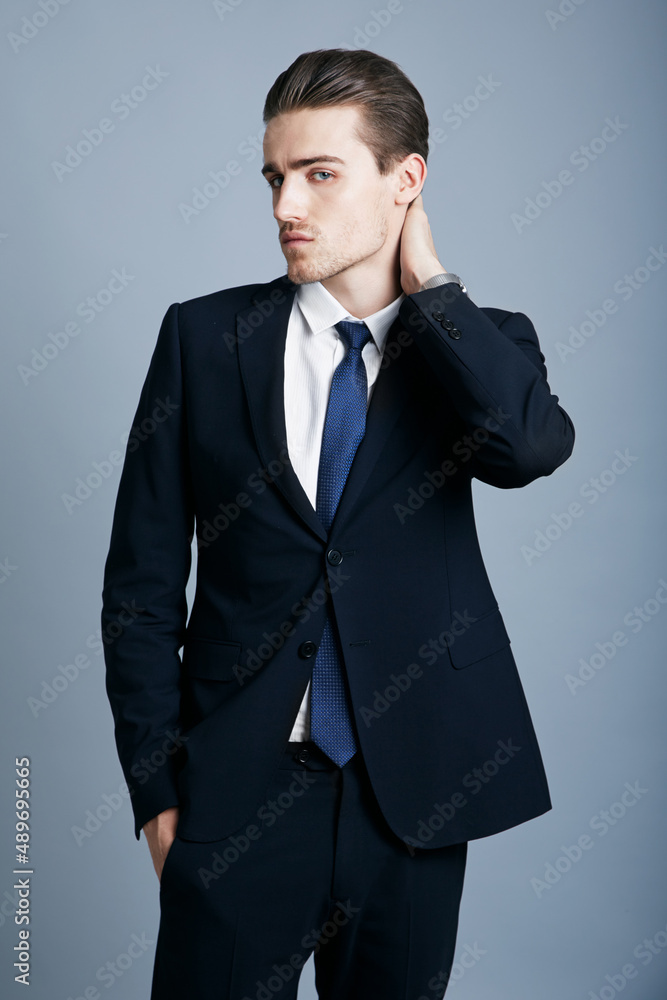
304, 276
300, 274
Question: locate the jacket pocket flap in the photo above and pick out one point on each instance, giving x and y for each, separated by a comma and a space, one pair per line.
483, 636
211, 659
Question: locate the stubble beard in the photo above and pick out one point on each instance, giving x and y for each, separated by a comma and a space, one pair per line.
307, 265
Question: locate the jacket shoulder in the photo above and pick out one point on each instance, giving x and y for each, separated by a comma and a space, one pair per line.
236, 298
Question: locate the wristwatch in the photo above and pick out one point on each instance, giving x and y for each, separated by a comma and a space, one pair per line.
443, 279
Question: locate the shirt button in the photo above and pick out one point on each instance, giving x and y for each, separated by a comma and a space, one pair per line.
302, 756
307, 649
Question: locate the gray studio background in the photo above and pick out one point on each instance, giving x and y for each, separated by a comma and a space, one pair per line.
573, 904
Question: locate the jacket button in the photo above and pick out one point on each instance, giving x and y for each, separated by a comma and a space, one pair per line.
438, 316
447, 324
307, 649
455, 334
334, 557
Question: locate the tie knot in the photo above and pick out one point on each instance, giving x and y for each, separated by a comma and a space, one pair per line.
355, 335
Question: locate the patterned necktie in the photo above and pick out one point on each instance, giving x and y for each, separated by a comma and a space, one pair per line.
344, 426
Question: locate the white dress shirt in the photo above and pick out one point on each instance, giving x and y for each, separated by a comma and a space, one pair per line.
313, 350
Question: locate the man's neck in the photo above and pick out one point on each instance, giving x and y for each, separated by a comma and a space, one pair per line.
363, 297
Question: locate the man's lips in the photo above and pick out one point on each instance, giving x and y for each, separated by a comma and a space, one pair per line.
295, 239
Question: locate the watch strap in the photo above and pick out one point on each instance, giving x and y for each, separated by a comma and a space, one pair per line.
443, 279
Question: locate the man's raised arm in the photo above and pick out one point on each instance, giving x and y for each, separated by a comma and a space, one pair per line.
493, 369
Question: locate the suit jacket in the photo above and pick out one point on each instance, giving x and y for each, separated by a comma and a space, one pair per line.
440, 713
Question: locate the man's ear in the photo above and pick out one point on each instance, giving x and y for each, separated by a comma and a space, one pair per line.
411, 173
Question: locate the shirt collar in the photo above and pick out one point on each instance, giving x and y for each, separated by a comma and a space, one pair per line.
322, 311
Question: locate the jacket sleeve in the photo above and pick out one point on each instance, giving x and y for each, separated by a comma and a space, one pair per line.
144, 607
496, 379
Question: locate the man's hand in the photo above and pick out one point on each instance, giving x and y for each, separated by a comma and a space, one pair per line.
160, 833
418, 257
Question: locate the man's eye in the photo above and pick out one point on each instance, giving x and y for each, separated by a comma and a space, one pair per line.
273, 185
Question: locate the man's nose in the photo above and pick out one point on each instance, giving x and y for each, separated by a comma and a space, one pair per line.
290, 203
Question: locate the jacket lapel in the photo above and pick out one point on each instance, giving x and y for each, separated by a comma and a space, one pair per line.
261, 333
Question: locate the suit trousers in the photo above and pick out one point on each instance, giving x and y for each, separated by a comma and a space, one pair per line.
317, 871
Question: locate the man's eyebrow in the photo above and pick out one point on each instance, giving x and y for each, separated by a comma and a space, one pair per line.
269, 168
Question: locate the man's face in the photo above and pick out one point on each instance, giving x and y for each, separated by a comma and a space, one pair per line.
345, 207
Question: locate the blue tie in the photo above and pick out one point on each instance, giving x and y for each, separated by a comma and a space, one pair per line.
344, 426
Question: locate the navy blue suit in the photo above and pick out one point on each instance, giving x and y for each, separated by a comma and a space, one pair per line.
434, 688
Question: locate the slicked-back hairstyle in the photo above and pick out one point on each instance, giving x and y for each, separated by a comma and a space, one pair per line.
393, 120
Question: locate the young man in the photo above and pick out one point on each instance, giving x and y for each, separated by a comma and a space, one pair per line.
347, 713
